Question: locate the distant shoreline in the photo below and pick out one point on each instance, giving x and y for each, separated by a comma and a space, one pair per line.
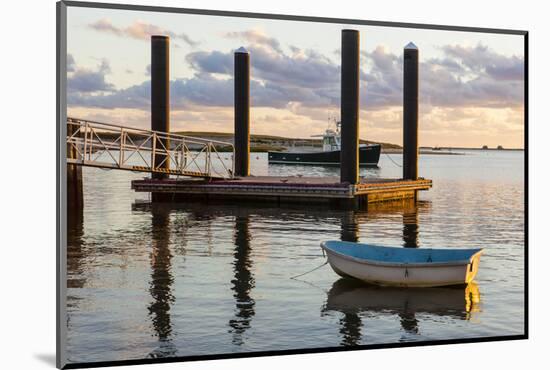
266, 143
279, 142
465, 148
423, 151
447, 151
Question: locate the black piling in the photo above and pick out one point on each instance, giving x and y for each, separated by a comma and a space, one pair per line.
349, 108
160, 97
410, 112
242, 112
75, 194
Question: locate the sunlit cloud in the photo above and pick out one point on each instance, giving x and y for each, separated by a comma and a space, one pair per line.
468, 91
82, 80
257, 37
311, 79
71, 65
481, 59
140, 30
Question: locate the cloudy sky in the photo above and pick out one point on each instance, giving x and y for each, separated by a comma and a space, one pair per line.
471, 84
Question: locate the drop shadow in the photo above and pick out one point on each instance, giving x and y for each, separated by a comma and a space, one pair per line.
46, 358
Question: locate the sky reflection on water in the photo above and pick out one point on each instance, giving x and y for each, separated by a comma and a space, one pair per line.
189, 279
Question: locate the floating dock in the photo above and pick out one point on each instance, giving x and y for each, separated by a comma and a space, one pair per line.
347, 190
284, 189
164, 154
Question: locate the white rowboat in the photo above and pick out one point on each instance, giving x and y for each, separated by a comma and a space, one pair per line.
406, 267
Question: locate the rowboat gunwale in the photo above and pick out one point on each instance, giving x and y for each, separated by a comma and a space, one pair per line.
402, 264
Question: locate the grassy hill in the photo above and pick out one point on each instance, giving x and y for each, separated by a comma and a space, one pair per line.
258, 143
264, 143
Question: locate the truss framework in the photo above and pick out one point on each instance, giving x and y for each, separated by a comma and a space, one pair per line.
106, 145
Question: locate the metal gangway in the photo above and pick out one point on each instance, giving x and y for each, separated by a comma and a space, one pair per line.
104, 145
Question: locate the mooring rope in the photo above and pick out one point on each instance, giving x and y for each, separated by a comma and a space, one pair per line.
318, 267
391, 159
313, 285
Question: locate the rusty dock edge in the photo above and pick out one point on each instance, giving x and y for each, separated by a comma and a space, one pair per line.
283, 189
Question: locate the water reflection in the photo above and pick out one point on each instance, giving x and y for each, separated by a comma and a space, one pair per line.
76, 257
353, 298
160, 286
75, 248
349, 226
350, 323
351, 220
408, 319
113, 258
364, 298
410, 211
410, 227
243, 280
350, 329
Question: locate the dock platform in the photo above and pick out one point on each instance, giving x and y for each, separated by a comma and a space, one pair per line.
292, 189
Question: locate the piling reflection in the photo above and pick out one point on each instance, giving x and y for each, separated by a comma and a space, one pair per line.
410, 227
243, 281
160, 286
353, 298
75, 247
349, 226
407, 318
346, 296
410, 211
350, 323
350, 329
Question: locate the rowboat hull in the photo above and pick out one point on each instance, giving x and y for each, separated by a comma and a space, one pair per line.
426, 274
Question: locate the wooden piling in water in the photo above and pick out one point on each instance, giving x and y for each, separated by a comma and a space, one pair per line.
349, 108
410, 112
160, 97
242, 112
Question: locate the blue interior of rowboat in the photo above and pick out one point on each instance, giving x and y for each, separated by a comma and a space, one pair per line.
399, 255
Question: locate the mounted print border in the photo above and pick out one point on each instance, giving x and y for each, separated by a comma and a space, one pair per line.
353, 188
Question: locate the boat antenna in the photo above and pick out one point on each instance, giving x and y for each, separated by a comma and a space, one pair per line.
332, 118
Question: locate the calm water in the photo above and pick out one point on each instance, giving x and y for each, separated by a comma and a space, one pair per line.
187, 279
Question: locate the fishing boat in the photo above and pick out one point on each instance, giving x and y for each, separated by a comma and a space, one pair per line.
406, 267
369, 154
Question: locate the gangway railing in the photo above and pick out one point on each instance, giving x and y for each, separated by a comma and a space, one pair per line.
104, 145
